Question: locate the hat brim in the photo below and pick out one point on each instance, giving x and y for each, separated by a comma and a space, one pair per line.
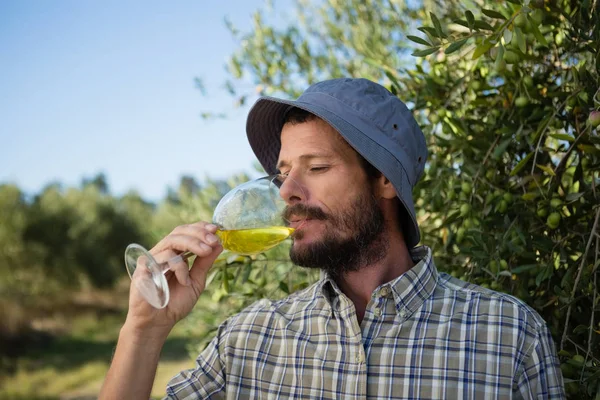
263, 128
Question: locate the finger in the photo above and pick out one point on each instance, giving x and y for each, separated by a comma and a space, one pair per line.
182, 243
201, 267
202, 230
178, 230
177, 266
141, 268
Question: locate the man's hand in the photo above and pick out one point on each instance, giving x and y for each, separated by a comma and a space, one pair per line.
141, 339
185, 284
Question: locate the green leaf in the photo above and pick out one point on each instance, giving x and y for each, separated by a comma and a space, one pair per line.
542, 126
546, 169
523, 268
507, 35
470, 19
426, 52
521, 42
462, 22
536, 32
520, 164
284, 287
419, 40
429, 30
456, 45
499, 57
225, 282
586, 148
561, 136
571, 197
437, 25
501, 148
392, 78
481, 49
483, 25
580, 329
246, 273
493, 14
544, 274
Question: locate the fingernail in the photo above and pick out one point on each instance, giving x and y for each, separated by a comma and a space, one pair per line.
211, 238
211, 226
205, 247
188, 281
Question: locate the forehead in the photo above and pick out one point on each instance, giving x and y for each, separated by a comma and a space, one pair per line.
314, 137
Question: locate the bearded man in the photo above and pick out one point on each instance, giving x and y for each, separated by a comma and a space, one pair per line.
381, 322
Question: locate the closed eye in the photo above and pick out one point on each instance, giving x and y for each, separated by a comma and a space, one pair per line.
319, 169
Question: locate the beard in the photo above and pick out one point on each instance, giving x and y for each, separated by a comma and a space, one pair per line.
367, 244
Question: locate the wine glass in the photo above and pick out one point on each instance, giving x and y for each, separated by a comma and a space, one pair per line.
250, 220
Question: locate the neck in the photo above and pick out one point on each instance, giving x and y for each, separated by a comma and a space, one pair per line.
359, 285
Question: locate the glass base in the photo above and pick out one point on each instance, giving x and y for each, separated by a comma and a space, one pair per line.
147, 275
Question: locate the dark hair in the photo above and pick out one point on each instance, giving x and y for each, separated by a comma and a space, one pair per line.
297, 115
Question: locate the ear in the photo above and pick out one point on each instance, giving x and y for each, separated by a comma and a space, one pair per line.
384, 188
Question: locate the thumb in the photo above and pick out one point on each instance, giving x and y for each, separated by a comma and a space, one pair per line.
202, 265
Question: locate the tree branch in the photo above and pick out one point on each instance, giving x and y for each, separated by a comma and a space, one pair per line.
580, 270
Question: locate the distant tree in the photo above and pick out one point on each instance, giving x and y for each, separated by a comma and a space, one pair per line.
99, 181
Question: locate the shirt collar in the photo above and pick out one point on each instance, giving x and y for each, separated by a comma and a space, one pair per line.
409, 290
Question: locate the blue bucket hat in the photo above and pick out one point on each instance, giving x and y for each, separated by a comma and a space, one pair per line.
371, 119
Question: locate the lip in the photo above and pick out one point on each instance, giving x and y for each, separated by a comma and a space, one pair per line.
297, 223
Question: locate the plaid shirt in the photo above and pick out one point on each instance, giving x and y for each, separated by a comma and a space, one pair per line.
424, 335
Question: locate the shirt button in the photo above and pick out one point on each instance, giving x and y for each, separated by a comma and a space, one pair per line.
403, 313
359, 357
377, 312
384, 291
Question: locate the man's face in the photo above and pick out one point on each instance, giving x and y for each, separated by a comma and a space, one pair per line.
340, 225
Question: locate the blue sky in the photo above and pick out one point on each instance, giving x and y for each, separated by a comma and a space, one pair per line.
108, 86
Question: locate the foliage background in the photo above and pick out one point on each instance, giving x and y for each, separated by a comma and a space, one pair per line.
503, 91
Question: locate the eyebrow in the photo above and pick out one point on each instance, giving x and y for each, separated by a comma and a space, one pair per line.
304, 157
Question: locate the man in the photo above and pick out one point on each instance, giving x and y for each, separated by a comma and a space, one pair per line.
382, 322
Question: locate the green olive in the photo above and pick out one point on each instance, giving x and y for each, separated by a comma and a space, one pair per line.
521, 101
465, 209
460, 234
466, 187
511, 57
553, 220
503, 206
556, 202
594, 118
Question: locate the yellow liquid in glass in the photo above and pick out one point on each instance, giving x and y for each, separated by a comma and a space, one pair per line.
253, 241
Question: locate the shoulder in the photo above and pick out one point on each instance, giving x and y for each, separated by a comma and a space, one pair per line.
490, 304
267, 313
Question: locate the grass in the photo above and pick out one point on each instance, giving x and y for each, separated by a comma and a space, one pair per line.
72, 364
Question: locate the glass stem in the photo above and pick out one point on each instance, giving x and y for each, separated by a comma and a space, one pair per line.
166, 266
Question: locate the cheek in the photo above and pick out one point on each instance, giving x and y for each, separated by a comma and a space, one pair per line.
330, 194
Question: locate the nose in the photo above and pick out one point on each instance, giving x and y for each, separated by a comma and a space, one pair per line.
290, 190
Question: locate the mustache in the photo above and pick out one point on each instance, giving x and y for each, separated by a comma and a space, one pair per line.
304, 211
